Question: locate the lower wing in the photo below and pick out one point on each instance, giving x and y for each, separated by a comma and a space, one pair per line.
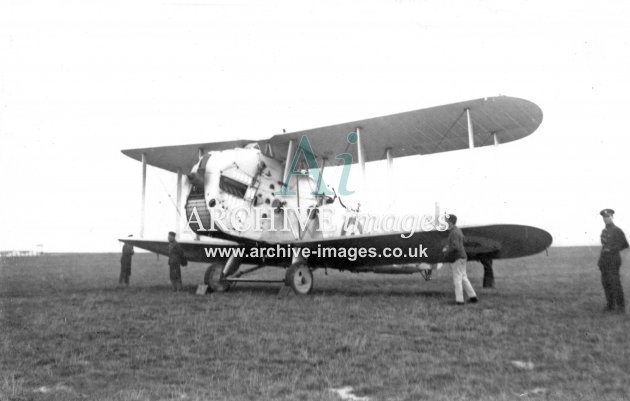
195, 251
501, 241
505, 241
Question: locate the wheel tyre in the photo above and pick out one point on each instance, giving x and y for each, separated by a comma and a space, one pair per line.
214, 278
300, 278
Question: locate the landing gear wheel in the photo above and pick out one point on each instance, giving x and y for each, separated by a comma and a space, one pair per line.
300, 278
214, 278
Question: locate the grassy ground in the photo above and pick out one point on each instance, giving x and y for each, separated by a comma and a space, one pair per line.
69, 333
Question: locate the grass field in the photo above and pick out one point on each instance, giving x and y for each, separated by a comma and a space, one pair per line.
69, 333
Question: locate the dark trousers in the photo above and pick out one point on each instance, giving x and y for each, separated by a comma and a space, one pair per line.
488, 273
125, 272
175, 273
611, 281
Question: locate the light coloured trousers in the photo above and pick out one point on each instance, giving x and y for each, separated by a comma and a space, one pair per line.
460, 279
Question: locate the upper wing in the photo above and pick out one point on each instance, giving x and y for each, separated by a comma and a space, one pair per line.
173, 158
426, 131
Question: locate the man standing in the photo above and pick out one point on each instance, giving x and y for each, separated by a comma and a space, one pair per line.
486, 261
125, 264
488, 272
613, 241
456, 255
176, 259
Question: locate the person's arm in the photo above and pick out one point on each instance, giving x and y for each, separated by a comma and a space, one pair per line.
451, 245
619, 244
622, 242
182, 257
448, 243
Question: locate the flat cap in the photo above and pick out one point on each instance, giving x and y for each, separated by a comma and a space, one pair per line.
607, 213
171, 233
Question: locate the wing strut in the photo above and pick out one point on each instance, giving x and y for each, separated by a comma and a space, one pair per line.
144, 193
269, 150
287, 164
200, 152
179, 202
390, 158
361, 155
320, 178
390, 171
390, 165
471, 134
435, 266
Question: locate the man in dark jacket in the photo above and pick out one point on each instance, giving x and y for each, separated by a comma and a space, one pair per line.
125, 264
613, 241
176, 259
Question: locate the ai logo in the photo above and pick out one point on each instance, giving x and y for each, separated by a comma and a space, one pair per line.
315, 171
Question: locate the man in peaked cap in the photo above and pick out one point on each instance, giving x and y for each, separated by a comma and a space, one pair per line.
613, 241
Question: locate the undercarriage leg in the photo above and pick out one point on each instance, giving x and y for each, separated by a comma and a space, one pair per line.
217, 273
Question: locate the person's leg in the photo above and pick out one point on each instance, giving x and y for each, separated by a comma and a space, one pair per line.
616, 289
457, 281
621, 301
173, 277
607, 290
488, 273
178, 278
470, 292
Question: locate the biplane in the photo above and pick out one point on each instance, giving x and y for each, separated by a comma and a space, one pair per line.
244, 196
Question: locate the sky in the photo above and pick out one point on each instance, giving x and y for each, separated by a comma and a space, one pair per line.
81, 80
